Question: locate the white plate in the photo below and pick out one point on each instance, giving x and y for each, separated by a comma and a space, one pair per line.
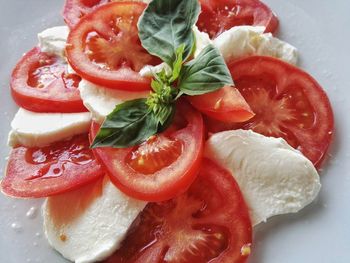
321, 233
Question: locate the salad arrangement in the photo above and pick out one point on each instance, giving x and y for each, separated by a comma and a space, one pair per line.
164, 131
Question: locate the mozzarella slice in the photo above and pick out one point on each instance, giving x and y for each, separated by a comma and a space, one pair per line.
33, 129
242, 41
88, 224
53, 40
101, 101
273, 177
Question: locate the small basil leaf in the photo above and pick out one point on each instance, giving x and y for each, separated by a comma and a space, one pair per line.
130, 123
167, 24
206, 73
177, 65
167, 123
164, 113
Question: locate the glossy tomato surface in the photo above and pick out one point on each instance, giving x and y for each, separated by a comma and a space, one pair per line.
226, 104
208, 223
288, 103
54, 169
105, 48
162, 167
220, 15
41, 83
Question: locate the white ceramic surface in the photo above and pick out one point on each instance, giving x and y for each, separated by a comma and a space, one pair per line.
319, 234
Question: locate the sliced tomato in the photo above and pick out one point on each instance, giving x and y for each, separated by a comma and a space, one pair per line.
41, 83
208, 223
288, 103
162, 167
105, 48
57, 168
73, 10
225, 104
220, 15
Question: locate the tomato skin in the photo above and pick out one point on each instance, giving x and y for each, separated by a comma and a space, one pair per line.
288, 103
112, 47
179, 174
225, 104
60, 94
220, 15
211, 216
51, 170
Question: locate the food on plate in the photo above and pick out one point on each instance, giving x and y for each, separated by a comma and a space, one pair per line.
273, 177
217, 16
163, 166
56, 168
287, 103
34, 129
104, 48
101, 101
208, 223
89, 223
40, 82
199, 126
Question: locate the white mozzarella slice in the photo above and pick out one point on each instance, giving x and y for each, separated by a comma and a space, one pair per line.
242, 41
101, 101
33, 129
53, 40
89, 224
273, 177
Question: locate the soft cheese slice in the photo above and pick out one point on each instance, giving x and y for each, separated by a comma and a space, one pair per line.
88, 224
242, 41
33, 129
53, 40
274, 178
101, 101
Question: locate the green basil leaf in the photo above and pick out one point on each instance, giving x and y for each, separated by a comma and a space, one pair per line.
130, 123
165, 113
167, 24
206, 73
177, 65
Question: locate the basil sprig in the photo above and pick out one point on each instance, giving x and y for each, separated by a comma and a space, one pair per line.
165, 30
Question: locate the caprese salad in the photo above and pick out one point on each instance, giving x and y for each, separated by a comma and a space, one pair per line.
164, 130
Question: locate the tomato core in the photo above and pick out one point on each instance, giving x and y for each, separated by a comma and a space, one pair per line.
155, 154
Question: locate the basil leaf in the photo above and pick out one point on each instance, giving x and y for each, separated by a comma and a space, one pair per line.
164, 114
206, 73
129, 124
177, 65
167, 24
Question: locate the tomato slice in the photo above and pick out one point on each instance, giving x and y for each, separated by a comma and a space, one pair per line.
41, 83
288, 103
57, 168
162, 167
105, 48
208, 223
73, 10
225, 104
220, 15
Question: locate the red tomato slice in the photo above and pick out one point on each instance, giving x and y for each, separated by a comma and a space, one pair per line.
162, 167
40, 83
220, 15
208, 223
42, 172
73, 10
288, 103
225, 104
105, 48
